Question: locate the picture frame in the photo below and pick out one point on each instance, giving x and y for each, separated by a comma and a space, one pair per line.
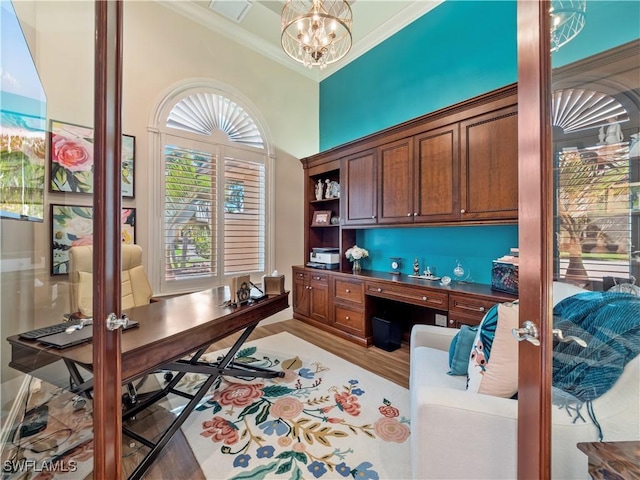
72, 225
321, 218
71, 159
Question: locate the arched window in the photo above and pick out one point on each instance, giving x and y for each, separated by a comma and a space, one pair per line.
212, 198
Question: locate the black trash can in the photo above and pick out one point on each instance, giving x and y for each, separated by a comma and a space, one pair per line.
387, 335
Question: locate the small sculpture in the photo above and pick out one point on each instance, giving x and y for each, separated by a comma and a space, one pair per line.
614, 133
319, 189
416, 267
333, 189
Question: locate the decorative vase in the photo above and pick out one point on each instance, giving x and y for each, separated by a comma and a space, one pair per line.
356, 265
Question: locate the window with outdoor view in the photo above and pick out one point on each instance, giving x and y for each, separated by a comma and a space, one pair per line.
215, 194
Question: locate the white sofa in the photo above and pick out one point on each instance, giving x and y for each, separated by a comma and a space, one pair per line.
462, 435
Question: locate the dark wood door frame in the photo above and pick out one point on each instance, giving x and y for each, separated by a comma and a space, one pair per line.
535, 237
107, 408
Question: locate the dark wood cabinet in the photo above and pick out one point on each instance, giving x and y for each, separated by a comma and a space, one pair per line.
489, 167
468, 309
359, 189
343, 303
311, 294
437, 178
395, 179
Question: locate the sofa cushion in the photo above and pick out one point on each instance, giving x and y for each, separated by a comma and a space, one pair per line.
460, 349
428, 368
493, 362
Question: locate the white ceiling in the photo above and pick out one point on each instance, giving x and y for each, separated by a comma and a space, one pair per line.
259, 28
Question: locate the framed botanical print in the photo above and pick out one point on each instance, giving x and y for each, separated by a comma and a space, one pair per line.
72, 225
71, 159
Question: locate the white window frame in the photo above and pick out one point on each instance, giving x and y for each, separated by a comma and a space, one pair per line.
159, 136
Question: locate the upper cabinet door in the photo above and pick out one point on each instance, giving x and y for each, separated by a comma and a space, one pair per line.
489, 166
436, 177
395, 174
360, 206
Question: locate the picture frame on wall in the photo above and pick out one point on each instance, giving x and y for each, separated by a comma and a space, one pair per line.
72, 225
71, 159
321, 218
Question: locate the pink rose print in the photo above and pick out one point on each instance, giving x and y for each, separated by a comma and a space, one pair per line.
348, 403
86, 240
74, 155
220, 430
239, 395
286, 408
391, 430
389, 411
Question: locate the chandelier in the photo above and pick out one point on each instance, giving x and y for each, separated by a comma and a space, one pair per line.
567, 20
316, 32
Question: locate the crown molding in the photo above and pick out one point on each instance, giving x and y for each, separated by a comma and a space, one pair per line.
233, 31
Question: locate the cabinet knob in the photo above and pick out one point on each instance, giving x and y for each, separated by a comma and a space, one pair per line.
409, 214
347, 317
425, 298
347, 290
300, 275
481, 309
379, 289
462, 211
415, 214
309, 287
450, 322
373, 216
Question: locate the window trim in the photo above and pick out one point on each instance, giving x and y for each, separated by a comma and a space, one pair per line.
158, 134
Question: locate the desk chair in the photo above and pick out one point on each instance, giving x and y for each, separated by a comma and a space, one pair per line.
135, 288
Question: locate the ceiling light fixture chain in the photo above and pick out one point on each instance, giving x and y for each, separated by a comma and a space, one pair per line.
316, 32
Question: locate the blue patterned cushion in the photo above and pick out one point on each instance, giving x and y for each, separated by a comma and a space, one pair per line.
460, 349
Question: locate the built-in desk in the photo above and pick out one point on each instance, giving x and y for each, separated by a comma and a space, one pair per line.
344, 303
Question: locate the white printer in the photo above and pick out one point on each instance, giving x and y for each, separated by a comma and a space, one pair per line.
326, 258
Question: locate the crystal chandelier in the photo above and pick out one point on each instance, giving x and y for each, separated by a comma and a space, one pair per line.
316, 32
567, 19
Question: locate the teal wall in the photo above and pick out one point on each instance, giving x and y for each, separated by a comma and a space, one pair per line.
457, 51
474, 246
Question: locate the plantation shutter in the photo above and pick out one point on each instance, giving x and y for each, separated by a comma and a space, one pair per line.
190, 209
594, 206
244, 213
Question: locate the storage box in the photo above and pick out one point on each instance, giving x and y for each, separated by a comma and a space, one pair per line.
273, 285
504, 277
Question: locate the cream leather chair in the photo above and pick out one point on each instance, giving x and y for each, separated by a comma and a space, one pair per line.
136, 290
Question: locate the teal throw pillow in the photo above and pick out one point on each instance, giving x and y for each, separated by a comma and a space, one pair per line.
460, 349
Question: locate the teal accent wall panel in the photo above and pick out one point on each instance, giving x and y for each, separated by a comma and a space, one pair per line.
475, 246
457, 51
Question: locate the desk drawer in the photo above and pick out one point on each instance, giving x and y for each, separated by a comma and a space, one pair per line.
319, 278
415, 295
469, 306
348, 319
349, 290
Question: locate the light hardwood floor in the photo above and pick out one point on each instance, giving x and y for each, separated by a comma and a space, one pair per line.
177, 460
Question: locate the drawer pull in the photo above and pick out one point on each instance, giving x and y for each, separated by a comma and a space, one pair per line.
347, 317
347, 290
472, 308
316, 278
408, 214
425, 298
379, 289
301, 275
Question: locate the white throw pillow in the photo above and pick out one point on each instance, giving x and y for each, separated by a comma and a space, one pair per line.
493, 363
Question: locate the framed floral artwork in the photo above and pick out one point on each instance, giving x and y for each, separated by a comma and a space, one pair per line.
72, 225
71, 155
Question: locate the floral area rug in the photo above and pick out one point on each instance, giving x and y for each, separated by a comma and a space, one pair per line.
325, 419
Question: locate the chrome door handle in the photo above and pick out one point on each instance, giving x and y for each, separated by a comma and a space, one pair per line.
557, 333
528, 332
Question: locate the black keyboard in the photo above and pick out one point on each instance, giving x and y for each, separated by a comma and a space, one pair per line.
48, 330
